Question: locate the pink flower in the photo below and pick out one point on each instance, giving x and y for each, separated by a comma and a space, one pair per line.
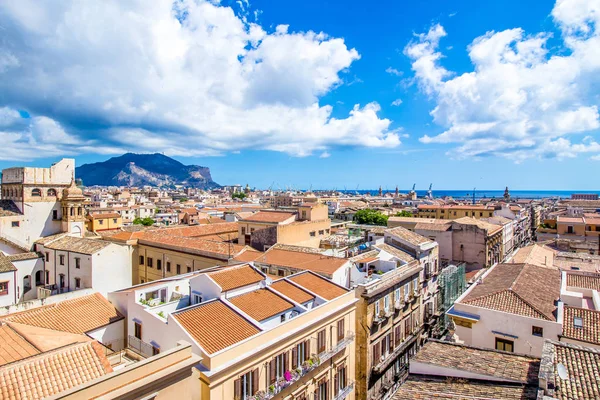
287, 375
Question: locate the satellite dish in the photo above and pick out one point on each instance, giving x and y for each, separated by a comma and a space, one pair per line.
562, 371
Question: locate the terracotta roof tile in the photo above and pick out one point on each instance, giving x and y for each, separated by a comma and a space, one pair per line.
24, 256
408, 236
5, 264
582, 365
318, 285
521, 289
77, 245
235, 277
495, 364
270, 216
14, 347
486, 226
399, 254
300, 260
589, 331
104, 215
535, 254
421, 388
584, 281
291, 291
261, 304
68, 315
215, 326
53, 372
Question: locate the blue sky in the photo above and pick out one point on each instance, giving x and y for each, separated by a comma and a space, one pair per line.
321, 93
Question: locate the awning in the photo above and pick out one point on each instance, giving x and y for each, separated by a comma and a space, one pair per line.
460, 314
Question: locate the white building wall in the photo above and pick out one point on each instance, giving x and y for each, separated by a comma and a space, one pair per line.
481, 335
28, 268
9, 298
112, 335
112, 269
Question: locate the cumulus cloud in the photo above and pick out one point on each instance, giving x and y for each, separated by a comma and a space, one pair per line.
397, 102
184, 78
520, 100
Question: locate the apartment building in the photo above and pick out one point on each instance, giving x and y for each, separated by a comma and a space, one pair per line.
75, 263
304, 227
476, 243
290, 337
512, 307
104, 222
20, 276
454, 211
388, 324
426, 252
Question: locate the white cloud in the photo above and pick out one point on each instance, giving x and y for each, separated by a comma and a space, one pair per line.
393, 71
397, 102
190, 78
520, 100
325, 154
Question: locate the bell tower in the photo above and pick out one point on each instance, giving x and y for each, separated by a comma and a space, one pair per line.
73, 212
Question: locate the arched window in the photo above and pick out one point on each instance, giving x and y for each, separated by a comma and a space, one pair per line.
52, 192
26, 283
36, 193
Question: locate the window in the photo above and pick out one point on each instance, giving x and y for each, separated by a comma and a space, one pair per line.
114, 220
386, 303
149, 262
141, 260
100, 221
77, 283
189, 269
340, 380
397, 294
243, 230
168, 266
51, 193
36, 193
505, 345
178, 269
61, 259
300, 353
570, 229
155, 350
251, 230
322, 390
537, 331
321, 233
47, 257
280, 272
3, 288
313, 234
159, 264
340, 330
54, 214
38, 278
377, 309
321, 341
77, 262
137, 328
282, 318
578, 322
246, 386
14, 224
277, 367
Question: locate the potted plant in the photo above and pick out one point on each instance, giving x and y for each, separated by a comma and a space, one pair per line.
287, 375
272, 389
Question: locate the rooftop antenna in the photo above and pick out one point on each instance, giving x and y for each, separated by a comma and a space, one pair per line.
562, 371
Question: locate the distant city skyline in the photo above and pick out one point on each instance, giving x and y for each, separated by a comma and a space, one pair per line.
301, 93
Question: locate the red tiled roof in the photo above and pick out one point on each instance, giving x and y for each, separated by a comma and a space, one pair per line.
318, 285
235, 277
261, 304
290, 291
215, 326
79, 315
270, 216
299, 260
589, 331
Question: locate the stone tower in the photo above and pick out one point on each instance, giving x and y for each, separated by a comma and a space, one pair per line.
506, 194
73, 212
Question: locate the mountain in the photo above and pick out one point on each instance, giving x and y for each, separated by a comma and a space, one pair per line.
144, 169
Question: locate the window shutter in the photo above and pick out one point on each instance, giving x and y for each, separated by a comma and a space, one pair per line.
307, 349
398, 334
336, 383
341, 329
286, 361
295, 357
237, 389
255, 381
272, 372
391, 339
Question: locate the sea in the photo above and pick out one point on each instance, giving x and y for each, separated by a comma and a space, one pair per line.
483, 194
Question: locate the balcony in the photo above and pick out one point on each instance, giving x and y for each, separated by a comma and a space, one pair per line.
342, 394
140, 347
385, 362
290, 377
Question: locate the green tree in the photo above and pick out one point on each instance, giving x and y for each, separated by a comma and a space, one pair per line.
183, 200
370, 217
404, 213
238, 195
143, 221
